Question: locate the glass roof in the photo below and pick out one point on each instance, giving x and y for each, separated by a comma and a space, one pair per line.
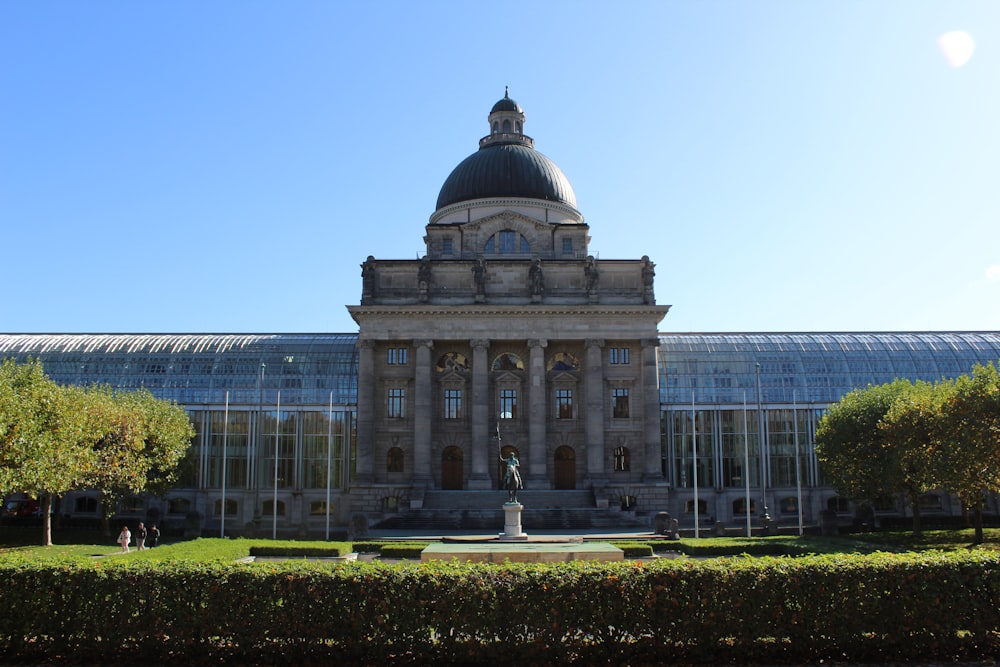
809, 367
310, 369
192, 369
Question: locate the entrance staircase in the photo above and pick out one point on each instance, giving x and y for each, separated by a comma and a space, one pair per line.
483, 510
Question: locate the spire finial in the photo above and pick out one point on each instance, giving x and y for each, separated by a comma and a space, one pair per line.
506, 92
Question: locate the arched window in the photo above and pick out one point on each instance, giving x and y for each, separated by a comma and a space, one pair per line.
740, 507
394, 460
318, 508
86, 505
623, 459
506, 126
508, 362
453, 361
838, 504
930, 501
178, 506
789, 505
507, 242
496, 127
132, 505
231, 507
702, 507
268, 509
563, 361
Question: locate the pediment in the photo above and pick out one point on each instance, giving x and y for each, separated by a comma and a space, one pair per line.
508, 377
562, 377
508, 219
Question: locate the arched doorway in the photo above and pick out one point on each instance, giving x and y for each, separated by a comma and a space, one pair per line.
565, 468
451, 468
505, 451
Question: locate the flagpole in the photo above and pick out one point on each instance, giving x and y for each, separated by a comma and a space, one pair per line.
798, 472
329, 454
277, 442
225, 440
746, 461
694, 464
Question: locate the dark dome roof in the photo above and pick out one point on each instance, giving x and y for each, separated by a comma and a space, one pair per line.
506, 104
506, 170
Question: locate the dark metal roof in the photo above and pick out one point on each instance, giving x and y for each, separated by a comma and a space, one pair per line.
506, 170
506, 104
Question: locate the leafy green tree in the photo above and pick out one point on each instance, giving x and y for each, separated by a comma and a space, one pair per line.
142, 440
970, 457
853, 450
56, 439
915, 432
45, 438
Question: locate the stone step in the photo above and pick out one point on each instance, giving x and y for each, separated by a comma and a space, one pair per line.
494, 499
532, 520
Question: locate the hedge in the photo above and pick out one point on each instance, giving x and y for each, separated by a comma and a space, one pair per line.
931, 606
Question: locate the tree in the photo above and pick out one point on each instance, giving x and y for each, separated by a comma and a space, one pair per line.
852, 448
45, 440
970, 459
915, 430
56, 439
142, 440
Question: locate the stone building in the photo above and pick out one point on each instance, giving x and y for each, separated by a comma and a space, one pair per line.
507, 335
507, 324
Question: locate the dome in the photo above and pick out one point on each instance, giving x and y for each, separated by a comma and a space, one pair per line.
506, 165
506, 104
506, 170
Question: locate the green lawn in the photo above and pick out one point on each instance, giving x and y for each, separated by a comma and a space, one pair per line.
21, 542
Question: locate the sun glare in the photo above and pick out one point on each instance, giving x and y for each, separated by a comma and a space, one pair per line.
957, 47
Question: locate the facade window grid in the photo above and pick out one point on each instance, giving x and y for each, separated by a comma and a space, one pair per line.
619, 403
564, 403
508, 403
452, 403
396, 403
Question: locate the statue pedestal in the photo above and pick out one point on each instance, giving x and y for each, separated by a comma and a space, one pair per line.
512, 522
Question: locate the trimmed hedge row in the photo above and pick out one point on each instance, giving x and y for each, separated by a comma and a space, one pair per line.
310, 551
933, 606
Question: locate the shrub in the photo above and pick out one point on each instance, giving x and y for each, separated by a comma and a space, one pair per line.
863, 608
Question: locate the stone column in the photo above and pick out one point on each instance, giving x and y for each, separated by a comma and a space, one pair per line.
364, 455
481, 445
651, 411
594, 403
537, 397
423, 404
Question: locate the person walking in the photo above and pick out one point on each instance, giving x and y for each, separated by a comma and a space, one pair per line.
154, 535
124, 538
140, 537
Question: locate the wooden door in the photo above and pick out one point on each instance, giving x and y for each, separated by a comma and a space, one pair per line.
565, 468
451, 469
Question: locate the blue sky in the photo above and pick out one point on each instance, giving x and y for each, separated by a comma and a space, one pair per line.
227, 166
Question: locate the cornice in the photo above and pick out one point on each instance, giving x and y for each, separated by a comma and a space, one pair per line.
466, 311
507, 202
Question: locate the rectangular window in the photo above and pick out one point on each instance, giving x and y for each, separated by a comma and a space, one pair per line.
446, 246
452, 403
508, 404
567, 246
564, 403
396, 403
618, 355
395, 356
619, 403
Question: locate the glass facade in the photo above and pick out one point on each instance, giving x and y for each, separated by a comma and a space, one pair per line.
277, 413
269, 410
